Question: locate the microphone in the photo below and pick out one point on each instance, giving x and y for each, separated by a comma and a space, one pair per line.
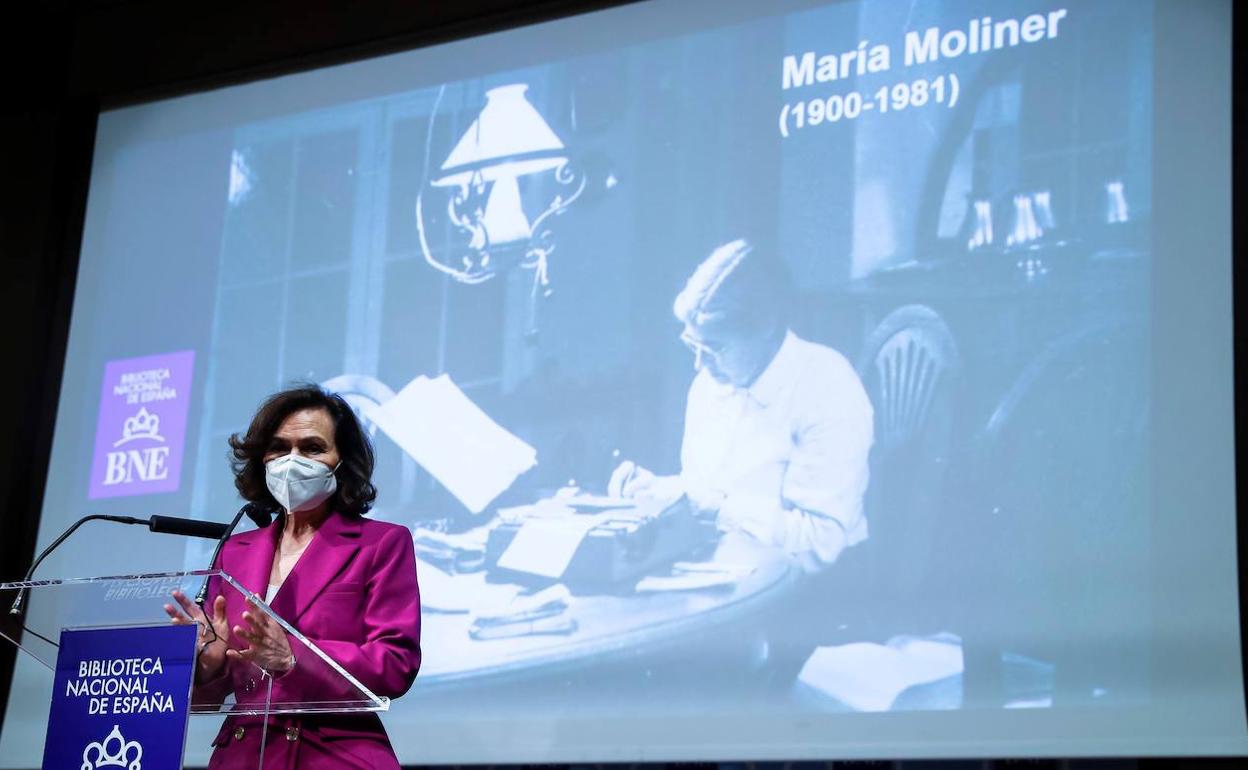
172, 525
262, 517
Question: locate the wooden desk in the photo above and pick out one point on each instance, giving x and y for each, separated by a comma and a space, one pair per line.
610, 629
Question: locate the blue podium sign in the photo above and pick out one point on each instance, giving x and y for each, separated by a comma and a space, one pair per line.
121, 698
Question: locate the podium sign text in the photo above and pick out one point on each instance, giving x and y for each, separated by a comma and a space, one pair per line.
120, 698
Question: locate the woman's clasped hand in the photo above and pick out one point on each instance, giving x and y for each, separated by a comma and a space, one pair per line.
260, 639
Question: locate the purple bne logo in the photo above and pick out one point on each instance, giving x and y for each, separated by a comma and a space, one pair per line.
142, 425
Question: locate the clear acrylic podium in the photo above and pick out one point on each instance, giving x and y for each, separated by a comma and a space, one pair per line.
138, 600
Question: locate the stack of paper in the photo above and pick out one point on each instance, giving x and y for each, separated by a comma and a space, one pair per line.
460, 552
449, 436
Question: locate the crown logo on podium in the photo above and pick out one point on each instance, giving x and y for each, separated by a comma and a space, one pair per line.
113, 751
143, 424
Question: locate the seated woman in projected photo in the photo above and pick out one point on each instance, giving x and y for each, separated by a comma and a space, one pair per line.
777, 429
345, 582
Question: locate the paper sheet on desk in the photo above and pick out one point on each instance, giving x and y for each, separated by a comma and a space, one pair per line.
691, 582
696, 575
542, 613
522, 608
585, 502
545, 546
459, 594
443, 430
868, 677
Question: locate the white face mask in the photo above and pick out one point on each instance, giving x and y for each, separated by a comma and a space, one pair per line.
298, 483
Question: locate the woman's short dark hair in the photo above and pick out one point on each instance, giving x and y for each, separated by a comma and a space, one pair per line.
356, 492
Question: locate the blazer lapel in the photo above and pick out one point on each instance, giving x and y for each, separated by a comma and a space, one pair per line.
329, 553
255, 558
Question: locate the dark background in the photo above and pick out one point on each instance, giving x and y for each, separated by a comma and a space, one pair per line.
64, 61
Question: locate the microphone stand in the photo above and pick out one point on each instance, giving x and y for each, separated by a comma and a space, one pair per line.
16, 609
166, 524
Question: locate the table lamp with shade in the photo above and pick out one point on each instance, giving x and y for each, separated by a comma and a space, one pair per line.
508, 139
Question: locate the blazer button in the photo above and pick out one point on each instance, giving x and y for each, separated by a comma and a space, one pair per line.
250, 686
292, 733
238, 733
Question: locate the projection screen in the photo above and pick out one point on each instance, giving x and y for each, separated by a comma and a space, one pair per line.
789, 380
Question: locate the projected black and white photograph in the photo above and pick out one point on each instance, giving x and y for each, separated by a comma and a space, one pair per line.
730, 378
662, 381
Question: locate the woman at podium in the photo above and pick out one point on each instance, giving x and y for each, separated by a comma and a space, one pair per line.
348, 584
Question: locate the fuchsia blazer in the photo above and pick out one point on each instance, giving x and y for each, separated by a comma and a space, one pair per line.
353, 593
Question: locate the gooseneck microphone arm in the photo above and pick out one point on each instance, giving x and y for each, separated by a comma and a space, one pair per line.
167, 524
261, 517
